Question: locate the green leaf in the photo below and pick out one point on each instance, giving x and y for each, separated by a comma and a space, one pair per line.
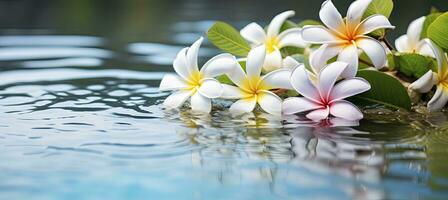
227, 38
382, 7
428, 21
308, 22
413, 65
386, 91
438, 31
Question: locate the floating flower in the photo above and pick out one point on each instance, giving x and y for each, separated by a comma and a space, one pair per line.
323, 97
253, 88
190, 82
345, 36
411, 42
273, 40
425, 83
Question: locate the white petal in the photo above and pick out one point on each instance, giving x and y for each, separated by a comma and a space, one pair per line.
345, 110
401, 43
328, 76
318, 35
231, 92
318, 114
348, 88
272, 61
440, 57
424, 83
192, 56
180, 64
414, 31
438, 101
200, 103
255, 60
374, 50
349, 55
176, 99
270, 102
424, 49
237, 75
372, 23
301, 83
243, 105
289, 63
291, 37
278, 79
218, 65
277, 22
172, 82
253, 33
356, 11
319, 58
331, 17
293, 105
210, 88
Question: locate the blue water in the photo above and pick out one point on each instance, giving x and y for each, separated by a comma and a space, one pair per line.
81, 116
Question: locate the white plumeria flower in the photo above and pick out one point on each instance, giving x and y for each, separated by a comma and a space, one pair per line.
323, 97
411, 42
273, 40
424, 84
345, 36
253, 88
190, 82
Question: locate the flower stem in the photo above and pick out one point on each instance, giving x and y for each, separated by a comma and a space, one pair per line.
384, 39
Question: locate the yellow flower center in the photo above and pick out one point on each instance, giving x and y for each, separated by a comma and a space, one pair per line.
271, 44
253, 86
194, 81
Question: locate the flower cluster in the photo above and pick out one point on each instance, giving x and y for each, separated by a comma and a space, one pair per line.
321, 76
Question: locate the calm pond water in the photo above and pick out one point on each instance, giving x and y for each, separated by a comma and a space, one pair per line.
80, 115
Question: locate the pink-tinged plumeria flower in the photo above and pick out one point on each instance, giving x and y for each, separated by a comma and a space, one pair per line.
440, 78
273, 40
253, 88
192, 82
323, 97
411, 42
345, 36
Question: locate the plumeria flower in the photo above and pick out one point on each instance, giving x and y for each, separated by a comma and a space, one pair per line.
346, 36
439, 78
411, 42
323, 98
253, 88
192, 82
273, 40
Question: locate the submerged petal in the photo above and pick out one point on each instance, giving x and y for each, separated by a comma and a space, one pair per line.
438, 101
349, 55
277, 22
176, 99
374, 50
243, 105
278, 79
318, 35
293, 105
424, 83
318, 114
253, 33
218, 65
270, 102
255, 60
349, 87
200, 103
172, 82
291, 37
210, 88
345, 110
331, 17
